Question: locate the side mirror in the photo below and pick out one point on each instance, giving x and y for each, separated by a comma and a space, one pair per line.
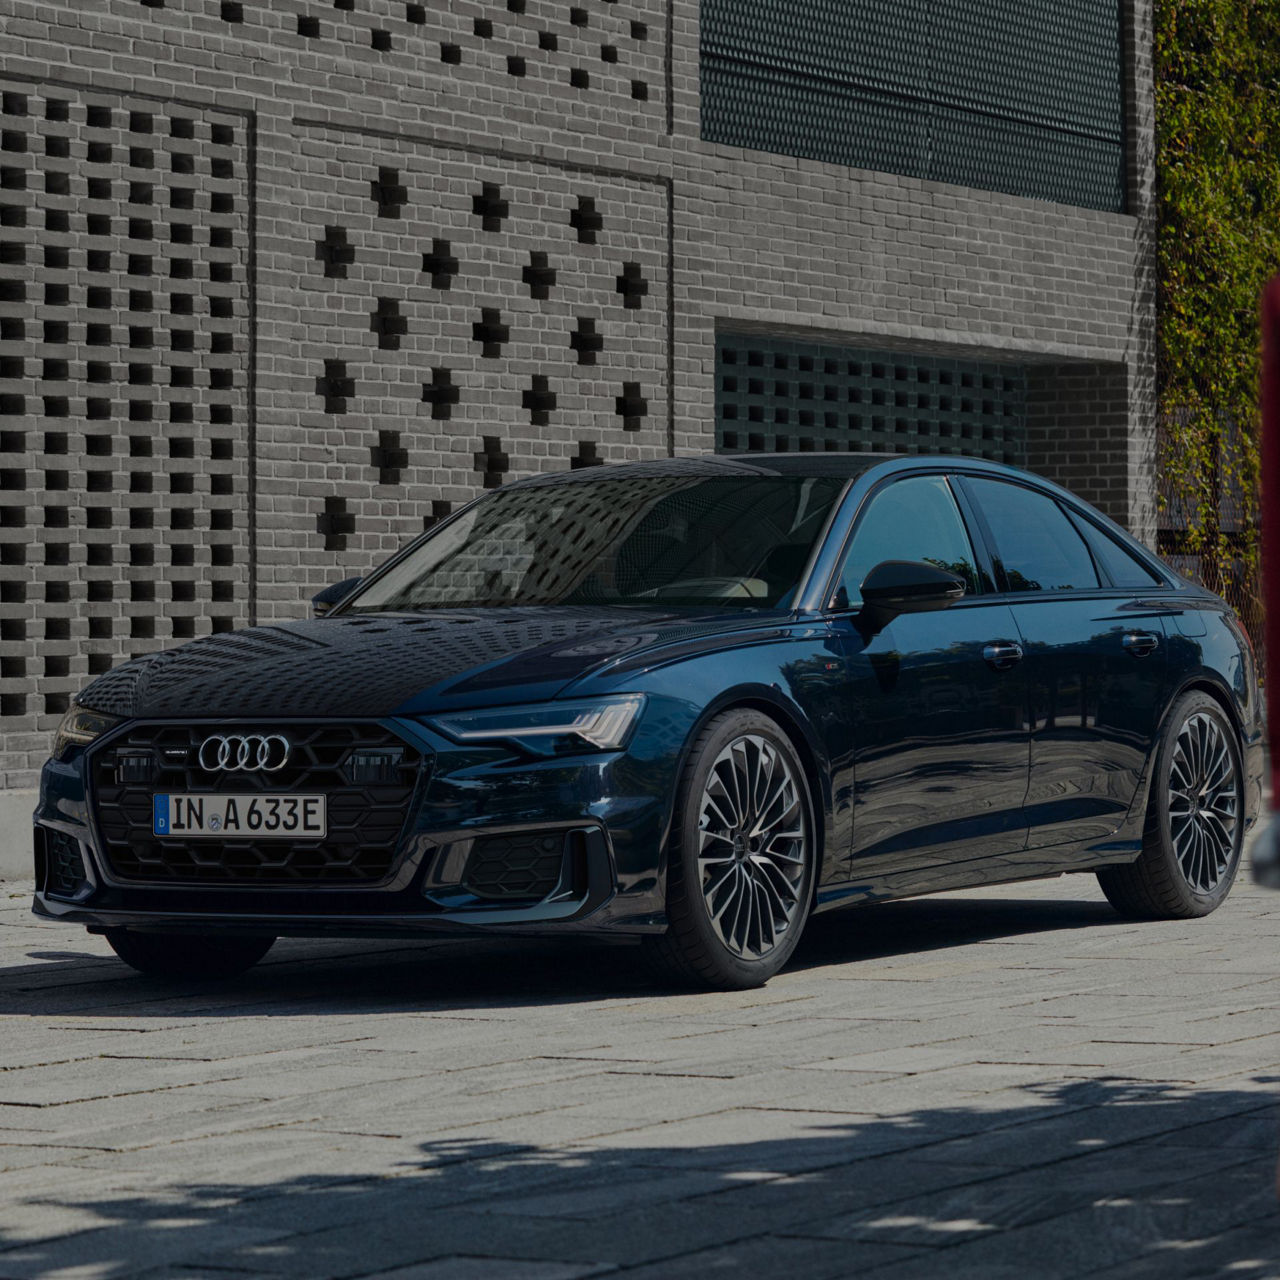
324, 600
906, 586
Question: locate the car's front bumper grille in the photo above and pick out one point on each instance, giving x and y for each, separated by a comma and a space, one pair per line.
520, 865
59, 864
366, 772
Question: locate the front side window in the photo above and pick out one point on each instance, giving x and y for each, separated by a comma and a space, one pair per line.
1038, 546
911, 519
732, 542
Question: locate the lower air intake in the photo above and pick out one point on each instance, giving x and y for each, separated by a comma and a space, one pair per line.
526, 865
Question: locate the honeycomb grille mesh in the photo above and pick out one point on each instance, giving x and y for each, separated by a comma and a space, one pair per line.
525, 865
365, 821
65, 871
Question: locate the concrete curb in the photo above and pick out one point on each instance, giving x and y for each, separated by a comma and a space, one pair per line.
15, 833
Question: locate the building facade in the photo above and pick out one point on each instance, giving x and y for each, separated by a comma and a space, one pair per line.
283, 282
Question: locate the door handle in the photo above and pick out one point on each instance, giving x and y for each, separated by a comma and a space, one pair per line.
1140, 643
1002, 654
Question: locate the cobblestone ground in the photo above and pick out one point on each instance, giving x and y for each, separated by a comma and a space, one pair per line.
1004, 1083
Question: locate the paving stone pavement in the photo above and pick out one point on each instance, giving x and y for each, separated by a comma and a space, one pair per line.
1003, 1083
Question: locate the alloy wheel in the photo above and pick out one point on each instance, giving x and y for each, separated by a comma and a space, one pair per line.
1204, 801
753, 842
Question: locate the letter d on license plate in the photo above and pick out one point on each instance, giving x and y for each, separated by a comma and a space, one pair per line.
255, 816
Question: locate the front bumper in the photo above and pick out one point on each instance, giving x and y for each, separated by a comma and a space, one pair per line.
607, 811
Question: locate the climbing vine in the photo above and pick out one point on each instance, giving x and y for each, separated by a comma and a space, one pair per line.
1218, 241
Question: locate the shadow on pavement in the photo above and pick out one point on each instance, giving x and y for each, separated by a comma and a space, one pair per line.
345, 977
1108, 1177
935, 923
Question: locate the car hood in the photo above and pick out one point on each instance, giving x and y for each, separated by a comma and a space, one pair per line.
374, 665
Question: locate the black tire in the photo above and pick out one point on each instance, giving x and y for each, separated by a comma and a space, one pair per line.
188, 955
693, 951
1159, 886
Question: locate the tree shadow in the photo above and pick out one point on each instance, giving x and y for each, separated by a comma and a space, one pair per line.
1061, 1179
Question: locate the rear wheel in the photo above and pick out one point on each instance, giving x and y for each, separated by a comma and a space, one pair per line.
742, 858
188, 955
1195, 819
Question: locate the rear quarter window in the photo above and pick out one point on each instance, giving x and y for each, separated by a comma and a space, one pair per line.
1116, 560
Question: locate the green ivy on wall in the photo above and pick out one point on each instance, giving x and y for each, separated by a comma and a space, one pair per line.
1218, 241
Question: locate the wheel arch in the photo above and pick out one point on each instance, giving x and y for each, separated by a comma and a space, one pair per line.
1199, 682
1205, 683
770, 703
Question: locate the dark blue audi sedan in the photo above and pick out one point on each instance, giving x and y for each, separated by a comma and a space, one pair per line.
693, 701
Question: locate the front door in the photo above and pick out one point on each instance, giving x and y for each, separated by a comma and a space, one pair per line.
937, 700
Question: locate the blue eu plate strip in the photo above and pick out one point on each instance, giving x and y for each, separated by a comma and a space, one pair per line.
160, 816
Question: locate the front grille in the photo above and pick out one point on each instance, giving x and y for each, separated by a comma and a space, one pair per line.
59, 863
523, 865
367, 808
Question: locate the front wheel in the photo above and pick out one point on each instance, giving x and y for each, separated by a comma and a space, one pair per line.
1195, 819
742, 857
188, 955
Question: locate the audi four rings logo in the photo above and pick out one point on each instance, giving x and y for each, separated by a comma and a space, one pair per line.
245, 752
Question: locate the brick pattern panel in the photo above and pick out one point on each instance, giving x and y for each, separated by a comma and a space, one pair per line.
591, 65
467, 320
123, 377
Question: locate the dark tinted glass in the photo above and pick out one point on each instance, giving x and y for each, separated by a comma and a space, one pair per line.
1038, 546
1120, 565
739, 542
912, 519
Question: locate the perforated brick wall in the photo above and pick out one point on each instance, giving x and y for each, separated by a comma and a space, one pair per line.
789, 396
282, 283
123, 379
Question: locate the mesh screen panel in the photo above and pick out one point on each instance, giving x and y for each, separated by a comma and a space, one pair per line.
1019, 96
783, 395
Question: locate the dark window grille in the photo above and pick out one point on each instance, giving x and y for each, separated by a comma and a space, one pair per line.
783, 395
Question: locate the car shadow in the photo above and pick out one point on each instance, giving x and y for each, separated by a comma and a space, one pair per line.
937, 923
1061, 1179
341, 977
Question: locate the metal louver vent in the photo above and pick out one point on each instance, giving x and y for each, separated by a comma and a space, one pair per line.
1004, 95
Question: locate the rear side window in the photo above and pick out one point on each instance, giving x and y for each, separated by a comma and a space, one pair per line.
1038, 546
1117, 561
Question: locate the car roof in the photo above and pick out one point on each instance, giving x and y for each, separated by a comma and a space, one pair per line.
838, 464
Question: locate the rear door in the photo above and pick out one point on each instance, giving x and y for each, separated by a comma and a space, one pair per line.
1089, 618
937, 700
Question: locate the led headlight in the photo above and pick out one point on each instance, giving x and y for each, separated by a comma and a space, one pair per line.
79, 727
602, 723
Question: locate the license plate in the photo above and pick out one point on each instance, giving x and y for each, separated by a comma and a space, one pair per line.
257, 816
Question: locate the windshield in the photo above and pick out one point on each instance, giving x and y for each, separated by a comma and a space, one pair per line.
736, 542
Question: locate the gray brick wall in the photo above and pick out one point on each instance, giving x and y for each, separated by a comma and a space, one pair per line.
429, 247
